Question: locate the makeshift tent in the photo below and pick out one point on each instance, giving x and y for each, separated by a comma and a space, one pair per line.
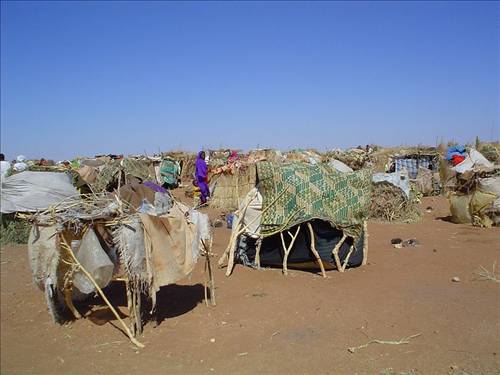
301, 213
34, 191
422, 166
474, 160
476, 198
79, 248
267, 154
170, 172
354, 158
122, 171
229, 187
398, 179
412, 161
305, 156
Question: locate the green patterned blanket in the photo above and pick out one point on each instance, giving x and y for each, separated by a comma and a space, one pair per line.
294, 193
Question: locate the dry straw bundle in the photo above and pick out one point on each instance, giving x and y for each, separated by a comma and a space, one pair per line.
389, 203
230, 188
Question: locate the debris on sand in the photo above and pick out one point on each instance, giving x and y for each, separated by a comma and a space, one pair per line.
398, 243
455, 279
403, 340
412, 242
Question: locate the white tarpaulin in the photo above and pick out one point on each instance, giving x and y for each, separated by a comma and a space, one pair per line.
251, 215
33, 191
472, 161
339, 166
398, 179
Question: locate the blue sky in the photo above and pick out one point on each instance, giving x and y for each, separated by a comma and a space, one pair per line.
128, 77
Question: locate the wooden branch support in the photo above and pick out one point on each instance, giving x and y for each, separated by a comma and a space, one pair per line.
347, 258
130, 309
314, 251
101, 293
288, 249
69, 303
230, 261
229, 253
232, 242
257, 252
136, 306
335, 252
210, 281
365, 243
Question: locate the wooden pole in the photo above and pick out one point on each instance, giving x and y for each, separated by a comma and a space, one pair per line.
347, 258
365, 243
211, 281
314, 251
335, 251
257, 252
69, 302
101, 293
287, 250
131, 311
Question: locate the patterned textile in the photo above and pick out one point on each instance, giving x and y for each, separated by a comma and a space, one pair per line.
106, 176
411, 165
139, 168
170, 171
294, 193
110, 171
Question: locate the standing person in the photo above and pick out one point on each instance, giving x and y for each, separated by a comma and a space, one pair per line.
4, 166
201, 176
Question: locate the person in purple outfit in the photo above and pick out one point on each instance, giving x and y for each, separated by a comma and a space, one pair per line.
201, 176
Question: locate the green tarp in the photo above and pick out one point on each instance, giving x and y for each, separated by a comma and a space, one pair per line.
170, 172
294, 193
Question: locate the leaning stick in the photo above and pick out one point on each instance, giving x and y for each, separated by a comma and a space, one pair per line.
231, 248
335, 251
101, 293
347, 258
210, 282
314, 251
234, 234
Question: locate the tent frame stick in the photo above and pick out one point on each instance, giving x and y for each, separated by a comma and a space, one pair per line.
231, 247
287, 250
347, 258
257, 252
365, 243
335, 251
234, 236
208, 267
69, 303
314, 251
101, 293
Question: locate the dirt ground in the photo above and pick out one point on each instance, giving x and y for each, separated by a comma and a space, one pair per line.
266, 323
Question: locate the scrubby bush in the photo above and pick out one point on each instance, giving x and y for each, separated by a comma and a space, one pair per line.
14, 231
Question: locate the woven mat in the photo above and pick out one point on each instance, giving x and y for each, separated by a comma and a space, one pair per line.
294, 193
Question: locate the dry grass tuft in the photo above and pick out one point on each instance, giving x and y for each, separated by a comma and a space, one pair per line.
485, 274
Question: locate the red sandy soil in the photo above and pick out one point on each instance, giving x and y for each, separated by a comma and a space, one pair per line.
266, 323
